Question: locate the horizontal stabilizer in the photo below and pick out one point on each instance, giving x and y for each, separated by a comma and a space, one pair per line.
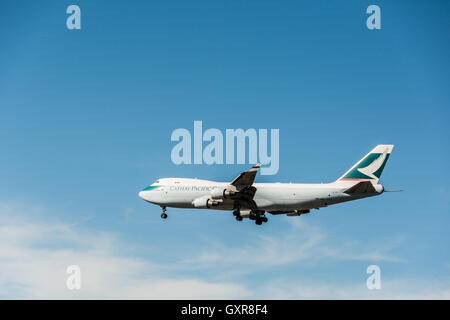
361, 187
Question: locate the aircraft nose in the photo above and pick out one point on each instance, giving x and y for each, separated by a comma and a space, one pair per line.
149, 195
146, 196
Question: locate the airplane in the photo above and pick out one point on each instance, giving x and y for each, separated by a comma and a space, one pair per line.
252, 200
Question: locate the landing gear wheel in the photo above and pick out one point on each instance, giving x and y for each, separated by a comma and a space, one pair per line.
239, 218
264, 219
258, 221
236, 213
163, 214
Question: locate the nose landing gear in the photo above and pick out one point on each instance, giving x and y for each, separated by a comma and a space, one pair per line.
163, 214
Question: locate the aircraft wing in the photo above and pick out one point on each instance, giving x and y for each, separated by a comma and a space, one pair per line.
246, 178
241, 189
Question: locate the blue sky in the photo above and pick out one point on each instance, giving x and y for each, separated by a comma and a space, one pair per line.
85, 123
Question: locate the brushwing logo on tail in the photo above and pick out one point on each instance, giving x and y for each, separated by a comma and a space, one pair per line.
374, 166
369, 168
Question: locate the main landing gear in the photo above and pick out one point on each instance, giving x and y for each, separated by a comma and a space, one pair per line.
163, 214
258, 216
237, 214
260, 220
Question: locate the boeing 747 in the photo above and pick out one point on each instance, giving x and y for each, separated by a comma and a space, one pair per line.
252, 200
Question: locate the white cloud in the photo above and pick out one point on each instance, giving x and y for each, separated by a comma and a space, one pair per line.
34, 255
301, 243
391, 289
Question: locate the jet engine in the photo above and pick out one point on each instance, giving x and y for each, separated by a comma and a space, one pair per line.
206, 202
226, 193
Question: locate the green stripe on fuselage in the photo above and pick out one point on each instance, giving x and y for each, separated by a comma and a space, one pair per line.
149, 188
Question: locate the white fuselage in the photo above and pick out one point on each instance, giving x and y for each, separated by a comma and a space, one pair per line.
181, 193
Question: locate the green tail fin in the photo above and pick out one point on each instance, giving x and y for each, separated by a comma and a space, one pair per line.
371, 166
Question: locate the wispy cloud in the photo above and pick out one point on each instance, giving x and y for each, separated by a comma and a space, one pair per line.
301, 242
391, 289
34, 255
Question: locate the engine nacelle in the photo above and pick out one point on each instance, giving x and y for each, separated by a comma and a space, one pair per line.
290, 213
297, 213
223, 193
206, 202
